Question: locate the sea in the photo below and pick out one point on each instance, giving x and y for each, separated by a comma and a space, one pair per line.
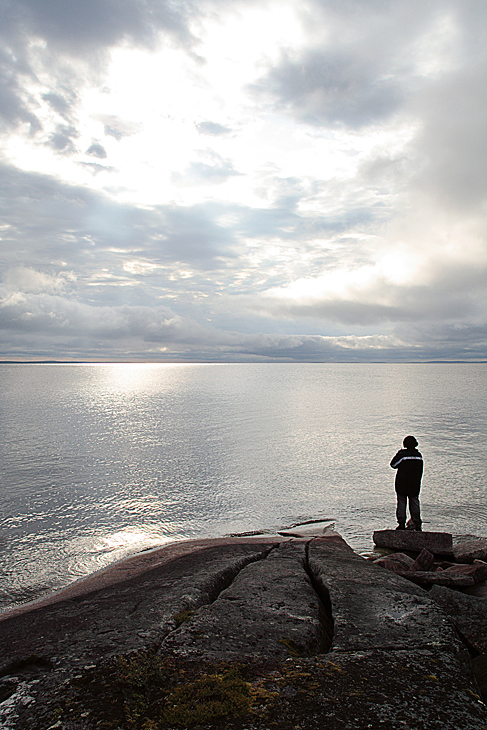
100, 461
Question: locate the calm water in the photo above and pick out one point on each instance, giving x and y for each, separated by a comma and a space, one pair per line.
100, 461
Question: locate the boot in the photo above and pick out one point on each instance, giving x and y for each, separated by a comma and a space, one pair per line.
401, 526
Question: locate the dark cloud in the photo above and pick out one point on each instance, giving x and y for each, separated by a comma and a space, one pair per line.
47, 220
97, 150
78, 25
359, 70
192, 235
459, 340
62, 139
66, 325
13, 108
41, 323
59, 103
452, 146
324, 88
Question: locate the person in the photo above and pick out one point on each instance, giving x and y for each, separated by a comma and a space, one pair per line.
409, 464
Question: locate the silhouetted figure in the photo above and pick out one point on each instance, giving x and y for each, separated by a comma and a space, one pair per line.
409, 464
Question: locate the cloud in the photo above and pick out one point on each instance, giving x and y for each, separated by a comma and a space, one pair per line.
50, 221
66, 42
76, 26
452, 145
58, 103
116, 127
27, 279
359, 67
62, 139
216, 170
13, 108
345, 219
65, 324
41, 322
97, 150
213, 129
324, 88
373, 294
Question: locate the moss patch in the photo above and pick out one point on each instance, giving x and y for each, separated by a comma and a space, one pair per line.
181, 618
146, 691
210, 698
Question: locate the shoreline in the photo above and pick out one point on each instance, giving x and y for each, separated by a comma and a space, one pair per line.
136, 565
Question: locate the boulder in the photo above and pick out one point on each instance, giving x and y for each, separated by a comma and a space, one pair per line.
439, 577
467, 548
397, 562
456, 576
438, 543
424, 561
478, 570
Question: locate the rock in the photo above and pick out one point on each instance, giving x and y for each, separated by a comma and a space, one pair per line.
478, 570
438, 543
469, 614
373, 608
467, 548
479, 666
319, 637
129, 616
439, 577
269, 610
479, 589
424, 561
397, 562
456, 576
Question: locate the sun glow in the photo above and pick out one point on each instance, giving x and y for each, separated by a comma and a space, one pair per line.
132, 538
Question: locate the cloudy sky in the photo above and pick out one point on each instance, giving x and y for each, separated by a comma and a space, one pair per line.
240, 180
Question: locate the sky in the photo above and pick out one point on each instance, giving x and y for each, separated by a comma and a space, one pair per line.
240, 180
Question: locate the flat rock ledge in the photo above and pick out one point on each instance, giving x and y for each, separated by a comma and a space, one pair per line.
278, 632
461, 548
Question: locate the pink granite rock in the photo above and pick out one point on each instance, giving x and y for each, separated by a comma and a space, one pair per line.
478, 570
397, 562
455, 576
438, 543
467, 548
424, 561
440, 578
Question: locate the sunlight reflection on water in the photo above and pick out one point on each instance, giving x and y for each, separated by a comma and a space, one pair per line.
100, 461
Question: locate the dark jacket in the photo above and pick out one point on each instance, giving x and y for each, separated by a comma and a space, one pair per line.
409, 465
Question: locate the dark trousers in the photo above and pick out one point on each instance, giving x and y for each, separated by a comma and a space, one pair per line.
414, 509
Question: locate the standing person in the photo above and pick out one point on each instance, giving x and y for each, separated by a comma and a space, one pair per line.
409, 464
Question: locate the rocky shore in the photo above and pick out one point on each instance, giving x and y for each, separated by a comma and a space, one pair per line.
286, 631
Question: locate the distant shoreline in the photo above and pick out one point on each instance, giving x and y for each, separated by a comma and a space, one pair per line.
243, 362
